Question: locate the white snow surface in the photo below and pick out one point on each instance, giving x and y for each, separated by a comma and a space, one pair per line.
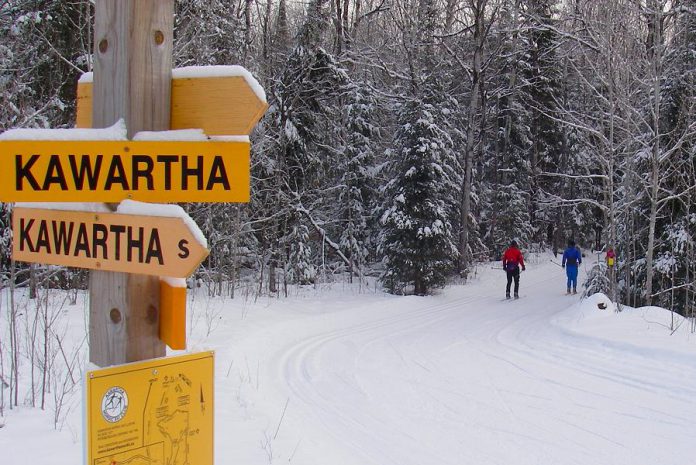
344, 375
174, 282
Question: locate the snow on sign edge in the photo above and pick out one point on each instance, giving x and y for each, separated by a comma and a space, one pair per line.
133, 207
207, 71
117, 132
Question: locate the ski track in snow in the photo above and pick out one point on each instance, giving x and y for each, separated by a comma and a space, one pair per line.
465, 378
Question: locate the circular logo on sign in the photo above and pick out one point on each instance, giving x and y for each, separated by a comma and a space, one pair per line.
114, 404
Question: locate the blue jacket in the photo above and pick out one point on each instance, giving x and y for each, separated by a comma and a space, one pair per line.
572, 257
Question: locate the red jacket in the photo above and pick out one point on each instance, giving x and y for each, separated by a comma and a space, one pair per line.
513, 256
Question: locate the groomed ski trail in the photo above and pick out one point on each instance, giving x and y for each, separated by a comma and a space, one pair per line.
462, 377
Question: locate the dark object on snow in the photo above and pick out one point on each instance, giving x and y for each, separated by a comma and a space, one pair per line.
602, 306
512, 261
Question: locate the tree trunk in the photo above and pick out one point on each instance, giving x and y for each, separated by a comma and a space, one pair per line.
450, 11
14, 342
655, 56
464, 255
247, 32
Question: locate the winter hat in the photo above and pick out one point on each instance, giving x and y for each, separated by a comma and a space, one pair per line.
571, 243
513, 243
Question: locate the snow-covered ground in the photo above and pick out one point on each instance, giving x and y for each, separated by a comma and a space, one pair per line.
338, 375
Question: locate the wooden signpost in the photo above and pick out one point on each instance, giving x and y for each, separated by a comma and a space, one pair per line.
137, 296
151, 245
132, 58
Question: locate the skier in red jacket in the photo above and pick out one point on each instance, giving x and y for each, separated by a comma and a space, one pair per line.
512, 262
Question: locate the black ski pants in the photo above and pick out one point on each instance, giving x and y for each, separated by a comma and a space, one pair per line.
514, 274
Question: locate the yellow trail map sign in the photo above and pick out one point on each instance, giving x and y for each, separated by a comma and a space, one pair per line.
157, 412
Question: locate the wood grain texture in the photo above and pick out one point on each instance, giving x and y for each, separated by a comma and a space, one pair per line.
83, 117
219, 105
132, 73
132, 79
134, 335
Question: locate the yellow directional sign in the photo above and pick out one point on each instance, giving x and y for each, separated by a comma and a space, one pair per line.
224, 105
154, 412
111, 171
152, 245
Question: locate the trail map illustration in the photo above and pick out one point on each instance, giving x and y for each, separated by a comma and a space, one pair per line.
157, 412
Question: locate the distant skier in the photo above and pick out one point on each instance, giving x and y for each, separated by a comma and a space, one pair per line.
572, 258
512, 261
611, 257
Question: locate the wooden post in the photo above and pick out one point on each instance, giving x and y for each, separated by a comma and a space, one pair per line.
132, 80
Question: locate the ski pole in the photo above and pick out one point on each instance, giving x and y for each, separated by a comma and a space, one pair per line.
556, 263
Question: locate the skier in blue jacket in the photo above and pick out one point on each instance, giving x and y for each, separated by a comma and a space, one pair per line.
572, 258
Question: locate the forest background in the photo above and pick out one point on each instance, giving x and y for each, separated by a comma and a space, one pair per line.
411, 139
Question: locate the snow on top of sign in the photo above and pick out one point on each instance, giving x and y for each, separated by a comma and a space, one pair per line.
221, 71
132, 207
183, 135
230, 138
90, 207
175, 135
174, 282
206, 71
115, 132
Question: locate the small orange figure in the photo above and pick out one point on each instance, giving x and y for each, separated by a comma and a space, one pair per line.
611, 256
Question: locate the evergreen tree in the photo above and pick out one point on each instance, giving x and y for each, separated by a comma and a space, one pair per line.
417, 238
674, 255
357, 184
301, 98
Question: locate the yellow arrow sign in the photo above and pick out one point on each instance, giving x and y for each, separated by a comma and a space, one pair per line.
223, 105
111, 171
152, 245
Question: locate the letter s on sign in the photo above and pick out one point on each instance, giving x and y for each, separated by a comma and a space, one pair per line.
184, 251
